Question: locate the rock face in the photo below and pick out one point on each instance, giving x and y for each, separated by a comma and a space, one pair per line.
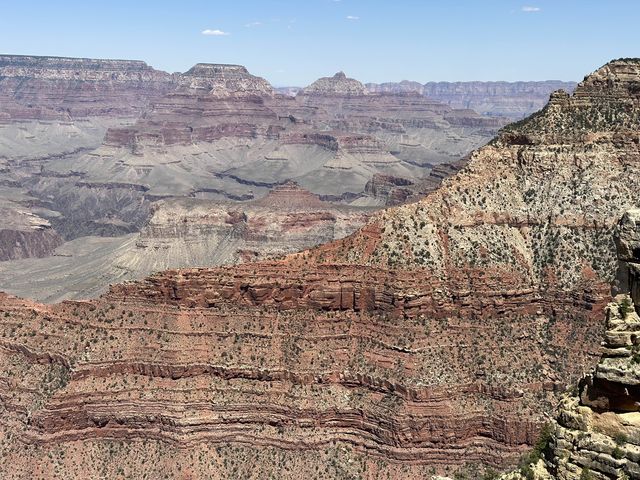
25, 235
511, 99
390, 190
596, 434
224, 80
438, 334
58, 88
78, 99
183, 233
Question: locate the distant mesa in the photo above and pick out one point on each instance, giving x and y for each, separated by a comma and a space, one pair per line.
223, 80
71, 63
61, 88
338, 84
514, 100
216, 69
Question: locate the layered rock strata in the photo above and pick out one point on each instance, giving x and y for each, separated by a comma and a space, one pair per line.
596, 434
339, 84
25, 235
331, 138
214, 132
441, 333
59, 88
186, 233
515, 100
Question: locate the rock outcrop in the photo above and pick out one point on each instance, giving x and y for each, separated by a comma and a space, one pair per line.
389, 190
24, 235
222, 80
339, 84
596, 434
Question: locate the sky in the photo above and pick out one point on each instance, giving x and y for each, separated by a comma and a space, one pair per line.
294, 42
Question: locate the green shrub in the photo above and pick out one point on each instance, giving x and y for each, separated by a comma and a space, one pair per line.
536, 453
490, 474
618, 453
586, 474
620, 438
625, 307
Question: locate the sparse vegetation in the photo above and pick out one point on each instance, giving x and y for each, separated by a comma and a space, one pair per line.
626, 307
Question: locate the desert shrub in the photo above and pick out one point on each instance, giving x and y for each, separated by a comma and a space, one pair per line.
618, 453
536, 453
585, 474
620, 438
625, 307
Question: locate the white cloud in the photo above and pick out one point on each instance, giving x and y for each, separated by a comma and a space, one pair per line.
529, 9
352, 17
215, 32
253, 24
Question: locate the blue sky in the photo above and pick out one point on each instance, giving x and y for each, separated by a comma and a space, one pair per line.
293, 42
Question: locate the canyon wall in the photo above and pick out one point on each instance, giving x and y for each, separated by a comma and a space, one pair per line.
59, 88
596, 432
441, 333
514, 100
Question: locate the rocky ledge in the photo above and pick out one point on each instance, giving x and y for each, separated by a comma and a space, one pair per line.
24, 234
596, 433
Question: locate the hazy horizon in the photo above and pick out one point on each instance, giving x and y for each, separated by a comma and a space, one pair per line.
293, 43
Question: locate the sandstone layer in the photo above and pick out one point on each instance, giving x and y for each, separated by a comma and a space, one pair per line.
596, 433
438, 334
54, 88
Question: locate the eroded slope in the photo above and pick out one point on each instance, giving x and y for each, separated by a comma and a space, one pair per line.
439, 334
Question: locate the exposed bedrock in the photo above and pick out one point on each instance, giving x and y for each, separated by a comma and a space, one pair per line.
54, 88
31, 240
184, 232
331, 138
596, 433
215, 132
441, 333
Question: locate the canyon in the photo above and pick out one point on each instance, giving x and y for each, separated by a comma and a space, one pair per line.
440, 333
94, 152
